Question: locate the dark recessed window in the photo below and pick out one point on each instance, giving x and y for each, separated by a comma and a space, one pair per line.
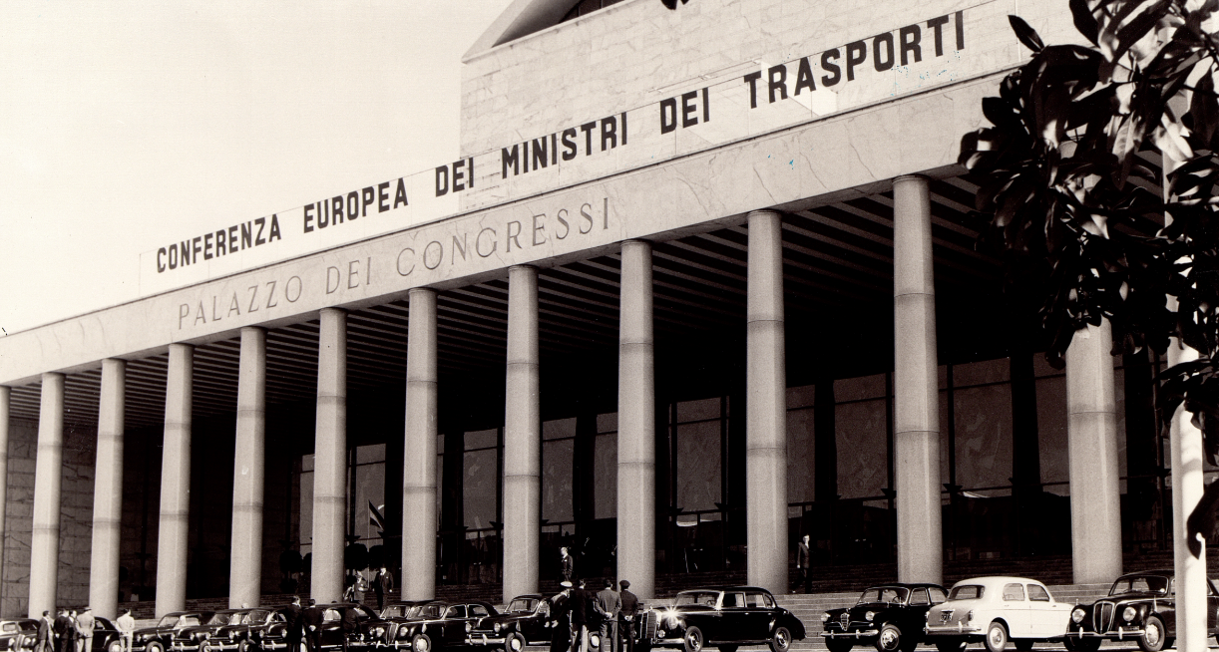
586, 7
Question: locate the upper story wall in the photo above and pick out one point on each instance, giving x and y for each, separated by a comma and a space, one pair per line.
711, 73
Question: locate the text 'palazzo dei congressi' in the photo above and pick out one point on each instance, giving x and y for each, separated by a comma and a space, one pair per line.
700, 283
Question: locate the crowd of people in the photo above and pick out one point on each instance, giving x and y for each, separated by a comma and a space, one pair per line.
577, 610
70, 631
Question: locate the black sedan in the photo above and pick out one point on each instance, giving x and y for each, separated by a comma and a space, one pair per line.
157, 638
18, 634
526, 622
1140, 607
725, 617
890, 616
441, 625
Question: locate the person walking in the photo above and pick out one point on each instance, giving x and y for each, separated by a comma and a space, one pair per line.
802, 560
126, 626
629, 614
84, 630
609, 605
60, 628
382, 584
359, 588
43, 642
292, 615
312, 618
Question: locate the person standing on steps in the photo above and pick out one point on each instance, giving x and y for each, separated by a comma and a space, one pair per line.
804, 577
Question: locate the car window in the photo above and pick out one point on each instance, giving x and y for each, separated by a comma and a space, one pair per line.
937, 595
967, 592
1037, 593
188, 621
330, 615
733, 600
919, 597
10, 627
1013, 591
456, 611
478, 611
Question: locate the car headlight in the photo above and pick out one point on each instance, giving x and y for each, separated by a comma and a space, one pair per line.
469, 626
825, 617
869, 616
496, 628
1129, 613
402, 632
1077, 616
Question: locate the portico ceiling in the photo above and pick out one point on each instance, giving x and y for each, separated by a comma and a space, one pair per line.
837, 262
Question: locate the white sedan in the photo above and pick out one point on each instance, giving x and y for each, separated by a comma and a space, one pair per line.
994, 610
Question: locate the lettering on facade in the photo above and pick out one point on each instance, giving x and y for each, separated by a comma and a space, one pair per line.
258, 297
238, 237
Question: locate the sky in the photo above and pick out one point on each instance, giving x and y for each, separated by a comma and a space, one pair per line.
124, 125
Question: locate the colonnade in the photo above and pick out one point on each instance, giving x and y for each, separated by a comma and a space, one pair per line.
916, 439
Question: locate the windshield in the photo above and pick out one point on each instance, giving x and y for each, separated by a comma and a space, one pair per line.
525, 605
223, 619
168, 621
966, 592
426, 611
884, 594
707, 598
1140, 584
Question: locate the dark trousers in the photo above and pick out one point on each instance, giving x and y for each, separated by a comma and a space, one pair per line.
626, 629
314, 639
294, 642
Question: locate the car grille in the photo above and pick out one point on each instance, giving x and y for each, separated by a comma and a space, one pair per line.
649, 625
1102, 616
845, 619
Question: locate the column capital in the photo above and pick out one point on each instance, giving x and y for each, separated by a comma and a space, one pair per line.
905, 178
764, 211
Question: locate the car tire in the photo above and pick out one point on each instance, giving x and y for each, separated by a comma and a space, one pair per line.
421, 643
950, 645
780, 639
889, 639
114, 646
996, 637
514, 642
1154, 636
1023, 644
839, 645
691, 641
155, 646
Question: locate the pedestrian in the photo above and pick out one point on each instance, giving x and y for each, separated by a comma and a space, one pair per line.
359, 589
609, 605
382, 584
84, 630
292, 616
61, 627
581, 613
126, 627
349, 624
312, 618
629, 614
560, 619
74, 642
802, 559
567, 564
44, 643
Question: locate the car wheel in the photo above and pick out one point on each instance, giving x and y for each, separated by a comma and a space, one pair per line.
693, 640
996, 637
780, 639
950, 645
421, 643
514, 642
155, 646
1024, 644
1153, 635
838, 644
889, 639
115, 646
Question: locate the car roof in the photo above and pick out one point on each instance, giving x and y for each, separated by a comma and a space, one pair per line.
1165, 572
726, 588
906, 585
991, 580
529, 596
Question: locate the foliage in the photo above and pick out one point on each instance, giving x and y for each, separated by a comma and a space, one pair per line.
1083, 212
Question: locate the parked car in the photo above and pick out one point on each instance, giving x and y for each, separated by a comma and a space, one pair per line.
995, 610
157, 638
1140, 607
723, 616
247, 628
447, 629
18, 634
526, 622
370, 628
891, 617
272, 633
106, 636
192, 637
398, 614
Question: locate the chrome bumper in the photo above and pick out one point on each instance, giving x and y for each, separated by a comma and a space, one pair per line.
856, 635
478, 638
960, 628
1121, 634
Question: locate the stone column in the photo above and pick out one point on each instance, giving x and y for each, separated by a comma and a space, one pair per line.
6, 396
522, 437
419, 465
330, 459
1188, 486
766, 406
1096, 519
175, 481
108, 490
916, 428
48, 478
637, 423
249, 470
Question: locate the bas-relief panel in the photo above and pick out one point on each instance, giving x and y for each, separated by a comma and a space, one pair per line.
801, 462
698, 465
478, 488
984, 436
556, 479
863, 468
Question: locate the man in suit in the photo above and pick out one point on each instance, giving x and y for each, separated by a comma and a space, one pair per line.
382, 584
43, 642
802, 559
84, 630
609, 604
126, 627
582, 611
312, 618
292, 614
629, 614
61, 628
567, 564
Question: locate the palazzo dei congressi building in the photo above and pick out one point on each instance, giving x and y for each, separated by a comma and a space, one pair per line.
702, 282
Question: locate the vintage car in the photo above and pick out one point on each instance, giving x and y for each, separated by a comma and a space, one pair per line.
263, 628
1139, 607
193, 637
891, 617
723, 616
157, 638
18, 634
398, 614
995, 610
444, 624
369, 632
106, 636
526, 622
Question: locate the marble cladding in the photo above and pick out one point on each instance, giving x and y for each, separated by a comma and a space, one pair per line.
75, 521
